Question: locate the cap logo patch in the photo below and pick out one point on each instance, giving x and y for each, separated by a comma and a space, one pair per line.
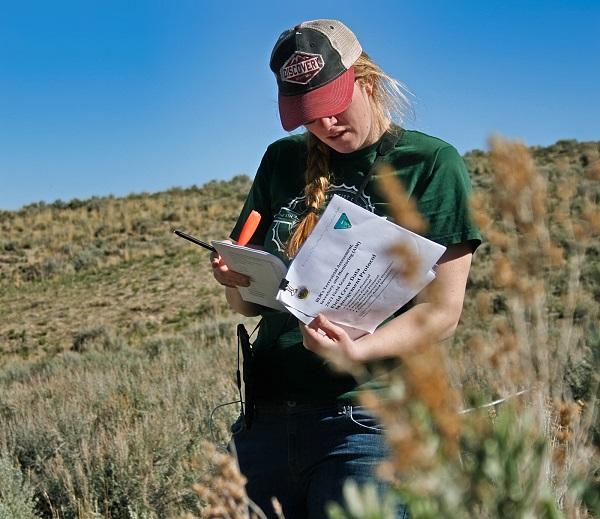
301, 67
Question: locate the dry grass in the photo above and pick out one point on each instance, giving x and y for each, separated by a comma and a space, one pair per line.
114, 347
69, 267
106, 431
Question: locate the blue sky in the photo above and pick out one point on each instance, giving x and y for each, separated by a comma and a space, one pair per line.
114, 97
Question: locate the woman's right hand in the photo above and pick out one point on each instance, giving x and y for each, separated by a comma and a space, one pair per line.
233, 280
224, 276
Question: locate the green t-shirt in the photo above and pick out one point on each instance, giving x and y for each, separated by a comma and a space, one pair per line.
433, 174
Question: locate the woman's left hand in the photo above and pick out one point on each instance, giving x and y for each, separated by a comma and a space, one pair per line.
324, 338
432, 319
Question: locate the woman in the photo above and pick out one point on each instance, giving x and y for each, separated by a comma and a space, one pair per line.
308, 436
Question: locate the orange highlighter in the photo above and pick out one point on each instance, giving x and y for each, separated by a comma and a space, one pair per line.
249, 228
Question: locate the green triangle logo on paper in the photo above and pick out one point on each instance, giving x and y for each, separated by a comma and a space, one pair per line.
343, 222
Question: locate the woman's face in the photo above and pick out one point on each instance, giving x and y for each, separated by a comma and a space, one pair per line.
349, 130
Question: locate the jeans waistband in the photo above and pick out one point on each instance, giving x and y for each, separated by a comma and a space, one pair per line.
292, 406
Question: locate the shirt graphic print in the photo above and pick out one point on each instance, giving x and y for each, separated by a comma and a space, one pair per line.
289, 215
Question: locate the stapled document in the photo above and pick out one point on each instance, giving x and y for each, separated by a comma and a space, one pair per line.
347, 271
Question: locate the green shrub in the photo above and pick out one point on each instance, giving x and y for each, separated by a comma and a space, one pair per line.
16, 494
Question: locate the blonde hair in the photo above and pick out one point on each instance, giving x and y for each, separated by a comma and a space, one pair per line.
388, 103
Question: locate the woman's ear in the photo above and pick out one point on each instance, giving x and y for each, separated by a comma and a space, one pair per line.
368, 86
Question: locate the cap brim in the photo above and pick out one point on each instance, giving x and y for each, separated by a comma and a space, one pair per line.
330, 99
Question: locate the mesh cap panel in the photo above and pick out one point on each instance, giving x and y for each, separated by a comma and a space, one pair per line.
342, 39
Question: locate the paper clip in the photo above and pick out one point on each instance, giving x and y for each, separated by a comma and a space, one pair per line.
285, 285
300, 293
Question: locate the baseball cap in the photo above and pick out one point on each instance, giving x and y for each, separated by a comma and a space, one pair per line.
313, 66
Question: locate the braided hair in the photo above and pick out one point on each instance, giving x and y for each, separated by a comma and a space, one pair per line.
388, 102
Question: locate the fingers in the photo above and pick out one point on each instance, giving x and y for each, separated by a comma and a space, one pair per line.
312, 333
321, 332
226, 277
313, 340
331, 330
330, 341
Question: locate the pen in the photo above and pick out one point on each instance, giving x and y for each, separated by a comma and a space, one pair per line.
246, 233
191, 238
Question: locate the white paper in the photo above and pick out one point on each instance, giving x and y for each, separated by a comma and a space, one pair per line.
346, 271
264, 270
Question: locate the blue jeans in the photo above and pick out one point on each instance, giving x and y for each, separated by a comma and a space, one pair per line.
302, 455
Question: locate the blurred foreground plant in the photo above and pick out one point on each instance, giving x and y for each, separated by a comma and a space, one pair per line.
531, 456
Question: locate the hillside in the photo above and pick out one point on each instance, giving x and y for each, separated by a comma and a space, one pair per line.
69, 267
117, 348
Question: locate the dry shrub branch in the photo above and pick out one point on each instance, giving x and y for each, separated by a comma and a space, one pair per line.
530, 455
